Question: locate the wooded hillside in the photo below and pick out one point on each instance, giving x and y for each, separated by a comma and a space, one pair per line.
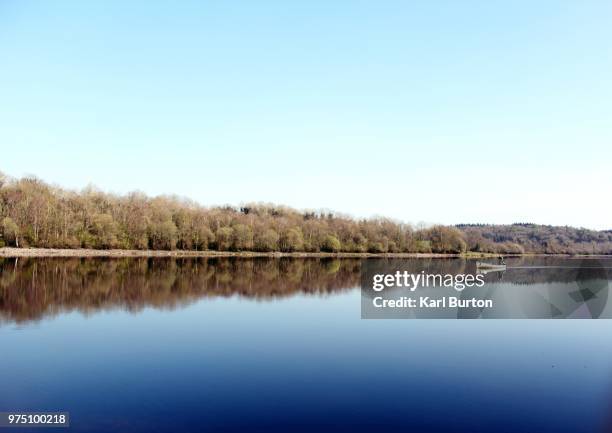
535, 238
35, 214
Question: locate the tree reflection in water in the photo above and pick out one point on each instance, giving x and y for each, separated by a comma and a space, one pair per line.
31, 289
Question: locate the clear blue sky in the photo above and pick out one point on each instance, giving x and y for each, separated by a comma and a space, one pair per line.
442, 112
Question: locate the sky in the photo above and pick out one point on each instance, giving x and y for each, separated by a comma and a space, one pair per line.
437, 112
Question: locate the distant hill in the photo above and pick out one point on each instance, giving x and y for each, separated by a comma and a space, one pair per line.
535, 238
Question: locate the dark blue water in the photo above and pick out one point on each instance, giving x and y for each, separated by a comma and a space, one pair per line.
301, 362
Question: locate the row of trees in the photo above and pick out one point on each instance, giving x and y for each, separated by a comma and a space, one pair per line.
35, 214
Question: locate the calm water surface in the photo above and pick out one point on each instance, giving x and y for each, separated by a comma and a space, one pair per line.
163, 345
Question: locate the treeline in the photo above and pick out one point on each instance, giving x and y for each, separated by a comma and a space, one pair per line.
35, 214
535, 238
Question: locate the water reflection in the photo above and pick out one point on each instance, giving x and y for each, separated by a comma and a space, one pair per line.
298, 358
530, 287
520, 270
31, 289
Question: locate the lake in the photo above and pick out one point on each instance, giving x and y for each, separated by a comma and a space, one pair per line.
222, 345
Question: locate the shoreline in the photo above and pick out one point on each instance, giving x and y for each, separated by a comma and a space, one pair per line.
82, 252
